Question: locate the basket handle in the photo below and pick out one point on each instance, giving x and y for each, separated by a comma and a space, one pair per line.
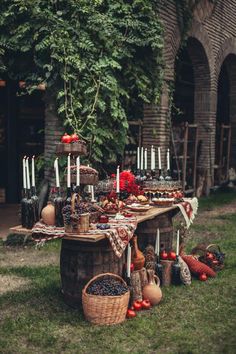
214, 245
103, 275
75, 198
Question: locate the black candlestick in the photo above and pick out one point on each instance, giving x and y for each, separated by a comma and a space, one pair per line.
35, 201
168, 176
176, 280
23, 208
68, 196
160, 178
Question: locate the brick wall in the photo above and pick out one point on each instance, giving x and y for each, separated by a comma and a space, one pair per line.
212, 38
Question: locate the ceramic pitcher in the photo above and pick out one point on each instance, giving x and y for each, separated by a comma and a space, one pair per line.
152, 290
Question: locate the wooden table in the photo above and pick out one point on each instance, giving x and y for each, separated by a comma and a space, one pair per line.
151, 214
84, 256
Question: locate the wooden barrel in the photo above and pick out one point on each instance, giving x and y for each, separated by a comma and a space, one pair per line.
80, 261
147, 230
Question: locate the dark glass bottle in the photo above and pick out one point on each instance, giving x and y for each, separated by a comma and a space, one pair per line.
159, 270
59, 203
23, 208
35, 201
29, 211
68, 196
160, 177
176, 280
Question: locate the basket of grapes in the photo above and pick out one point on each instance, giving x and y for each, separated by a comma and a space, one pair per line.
105, 299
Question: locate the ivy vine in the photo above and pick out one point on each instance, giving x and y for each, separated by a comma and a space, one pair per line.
99, 57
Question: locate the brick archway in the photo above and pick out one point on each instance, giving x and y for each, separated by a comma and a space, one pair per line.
227, 56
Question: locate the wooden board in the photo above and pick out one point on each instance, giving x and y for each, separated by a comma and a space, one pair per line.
20, 230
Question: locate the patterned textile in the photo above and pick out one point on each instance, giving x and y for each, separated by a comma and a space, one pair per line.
42, 232
188, 209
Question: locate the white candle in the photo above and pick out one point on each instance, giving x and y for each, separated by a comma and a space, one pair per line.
78, 171
157, 244
145, 159
24, 175
128, 263
141, 164
68, 172
118, 179
138, 158
154, 159
168, 159
177, 244
33, 172
89, 189
159, 158
92, 193
27, 173
57, 172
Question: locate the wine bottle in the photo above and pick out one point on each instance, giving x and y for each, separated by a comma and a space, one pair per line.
68, 196
160, 178
59, 203
159, 269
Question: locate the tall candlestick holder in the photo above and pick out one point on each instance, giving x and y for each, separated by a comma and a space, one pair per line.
160, 177
168, 176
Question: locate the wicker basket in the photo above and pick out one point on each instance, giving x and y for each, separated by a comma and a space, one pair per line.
105, 310
201, 251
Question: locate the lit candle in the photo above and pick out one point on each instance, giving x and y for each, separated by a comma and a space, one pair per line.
159, 158
128, 263
118, 179
33, 172
145, 159
177, 244
141, 164
92, 193
157, 244
138, 158
27, 173
24, 175
78, 171
154, 159
168, 159
68, 172
57, 172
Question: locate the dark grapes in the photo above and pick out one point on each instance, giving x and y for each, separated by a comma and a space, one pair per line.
107, 286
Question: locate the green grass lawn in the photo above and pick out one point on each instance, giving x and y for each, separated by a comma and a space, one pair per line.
196, 319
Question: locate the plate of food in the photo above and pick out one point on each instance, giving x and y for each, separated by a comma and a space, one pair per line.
139, 207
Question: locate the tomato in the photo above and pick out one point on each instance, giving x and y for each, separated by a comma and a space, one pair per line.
137, 305
146, 305
164, 255
74, 137
66, 139
203, 277
172, 255
130, 313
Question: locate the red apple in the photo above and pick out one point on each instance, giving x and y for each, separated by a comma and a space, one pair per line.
66, 139
137, 305
74, 137
146, 305
130, 313
172, 256
203, 277
164, 255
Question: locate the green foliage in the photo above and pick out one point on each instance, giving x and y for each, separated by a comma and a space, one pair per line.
100, 57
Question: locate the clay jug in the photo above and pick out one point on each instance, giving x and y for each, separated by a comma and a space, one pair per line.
152, 290
138, 258
48, 214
